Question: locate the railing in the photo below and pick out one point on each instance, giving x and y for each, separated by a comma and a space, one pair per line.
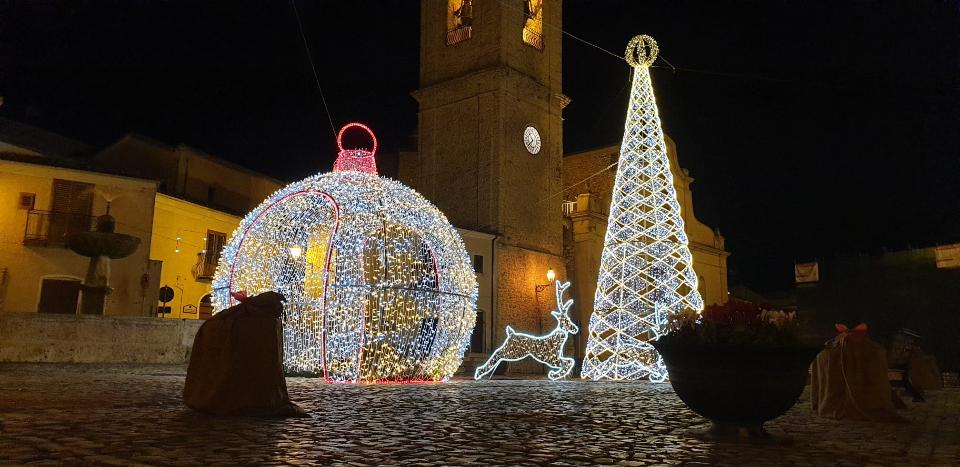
533, 38
50, 228
569, 207
585, 203
205, 267
459, 34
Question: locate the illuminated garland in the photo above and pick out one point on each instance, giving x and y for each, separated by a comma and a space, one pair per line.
379, 286
547, 349
646, 268
641, 51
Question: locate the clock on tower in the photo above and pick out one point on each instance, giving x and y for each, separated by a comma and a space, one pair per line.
531, 140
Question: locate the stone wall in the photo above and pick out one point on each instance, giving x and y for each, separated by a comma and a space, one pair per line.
519, 305
31, 337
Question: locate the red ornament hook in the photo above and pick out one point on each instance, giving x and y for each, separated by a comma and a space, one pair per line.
362, 127
358, 160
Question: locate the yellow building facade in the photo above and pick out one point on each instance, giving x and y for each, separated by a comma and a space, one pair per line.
185, 240
183, 204
200, 202
40, 205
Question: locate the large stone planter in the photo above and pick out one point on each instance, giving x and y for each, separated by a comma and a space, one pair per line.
737, 388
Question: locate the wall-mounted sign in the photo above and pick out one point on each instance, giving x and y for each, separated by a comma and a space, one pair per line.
166, 294
948, 256
806, 273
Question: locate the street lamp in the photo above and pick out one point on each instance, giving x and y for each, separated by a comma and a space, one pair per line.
550, 277
539, 288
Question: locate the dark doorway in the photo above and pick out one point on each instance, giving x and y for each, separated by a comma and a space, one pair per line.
476, 339
59, 295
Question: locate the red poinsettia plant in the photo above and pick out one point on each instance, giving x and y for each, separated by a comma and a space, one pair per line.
736, 322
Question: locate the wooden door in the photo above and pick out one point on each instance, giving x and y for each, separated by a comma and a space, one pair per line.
59, 295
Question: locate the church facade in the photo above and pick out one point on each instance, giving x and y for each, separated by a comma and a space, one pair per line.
490, 156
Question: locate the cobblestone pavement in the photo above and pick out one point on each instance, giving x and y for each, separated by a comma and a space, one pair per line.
133, 414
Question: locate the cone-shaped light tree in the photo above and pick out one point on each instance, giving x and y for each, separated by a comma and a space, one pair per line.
646, 271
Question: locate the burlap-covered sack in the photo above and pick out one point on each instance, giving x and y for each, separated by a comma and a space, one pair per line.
849, 379
236, 367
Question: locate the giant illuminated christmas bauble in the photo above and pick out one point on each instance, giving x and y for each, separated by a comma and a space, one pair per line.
379, 285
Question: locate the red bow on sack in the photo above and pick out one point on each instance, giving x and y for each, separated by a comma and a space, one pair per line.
241, 296
843, 329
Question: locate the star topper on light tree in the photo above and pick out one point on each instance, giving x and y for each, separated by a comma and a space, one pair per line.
646, 271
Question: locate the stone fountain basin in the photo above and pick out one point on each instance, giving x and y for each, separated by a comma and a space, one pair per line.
109, 244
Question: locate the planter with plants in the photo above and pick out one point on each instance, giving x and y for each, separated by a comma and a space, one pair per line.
737, 364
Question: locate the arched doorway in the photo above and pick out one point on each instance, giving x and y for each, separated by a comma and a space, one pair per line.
205, 307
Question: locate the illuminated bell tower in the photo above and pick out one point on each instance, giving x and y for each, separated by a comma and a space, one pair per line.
490, 139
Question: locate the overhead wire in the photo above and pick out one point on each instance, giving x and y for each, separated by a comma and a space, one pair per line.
669, 65
316, 77
564, 189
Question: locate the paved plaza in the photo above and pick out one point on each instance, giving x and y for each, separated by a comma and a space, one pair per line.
118, 414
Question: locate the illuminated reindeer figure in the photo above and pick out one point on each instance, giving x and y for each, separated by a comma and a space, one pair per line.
546, 349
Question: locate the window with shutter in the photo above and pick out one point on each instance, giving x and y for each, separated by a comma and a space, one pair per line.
70, 209
211, 254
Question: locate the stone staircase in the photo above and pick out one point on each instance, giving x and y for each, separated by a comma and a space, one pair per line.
470, 363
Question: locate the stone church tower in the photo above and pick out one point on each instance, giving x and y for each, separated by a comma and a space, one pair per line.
490, 143
490, 156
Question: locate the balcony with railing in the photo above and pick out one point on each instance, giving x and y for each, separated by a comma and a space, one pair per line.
50, 228
585, 203
459, 34
209, 257
533, 38
205, 267
569, 207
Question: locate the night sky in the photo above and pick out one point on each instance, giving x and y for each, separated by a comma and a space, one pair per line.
813, 129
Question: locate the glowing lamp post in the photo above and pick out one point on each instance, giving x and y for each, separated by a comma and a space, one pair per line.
550, 278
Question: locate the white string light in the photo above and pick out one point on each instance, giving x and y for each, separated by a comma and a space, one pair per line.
379, 285
546, 349
646, 268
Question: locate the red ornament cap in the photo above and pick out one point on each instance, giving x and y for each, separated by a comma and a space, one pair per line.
360, 159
